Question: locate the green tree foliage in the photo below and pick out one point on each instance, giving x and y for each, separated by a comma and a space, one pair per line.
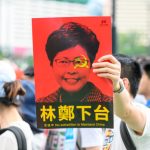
132, 44
1, 55
22, 62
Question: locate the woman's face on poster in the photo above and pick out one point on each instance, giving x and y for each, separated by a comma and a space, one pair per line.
72, 68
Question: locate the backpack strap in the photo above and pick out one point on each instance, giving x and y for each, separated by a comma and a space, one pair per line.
126, 138
77, 145
20, 137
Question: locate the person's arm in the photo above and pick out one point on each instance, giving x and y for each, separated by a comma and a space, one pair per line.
109, 67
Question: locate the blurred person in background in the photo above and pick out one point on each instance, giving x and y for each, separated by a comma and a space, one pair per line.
141, 60
28, 109
144, 87
29, 74
19, 72
10, 90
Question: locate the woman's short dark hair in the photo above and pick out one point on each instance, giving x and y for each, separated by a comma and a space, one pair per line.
69, 35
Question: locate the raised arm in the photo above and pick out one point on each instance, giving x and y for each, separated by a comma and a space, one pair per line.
109, 67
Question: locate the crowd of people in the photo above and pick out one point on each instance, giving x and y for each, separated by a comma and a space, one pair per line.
17, 107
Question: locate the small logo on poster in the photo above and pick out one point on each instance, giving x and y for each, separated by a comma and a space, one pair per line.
103, 23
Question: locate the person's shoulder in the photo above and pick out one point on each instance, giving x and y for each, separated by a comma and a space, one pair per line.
98, 95
7, 135
24, 126
140, 99
145, 110
8, 141
141, 106
53, 97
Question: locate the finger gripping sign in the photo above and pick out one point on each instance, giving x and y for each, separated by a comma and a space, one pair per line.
68, 93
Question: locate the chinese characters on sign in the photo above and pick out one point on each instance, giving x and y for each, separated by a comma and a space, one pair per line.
59, 114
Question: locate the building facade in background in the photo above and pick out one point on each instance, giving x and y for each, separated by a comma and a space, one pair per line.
15, 19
